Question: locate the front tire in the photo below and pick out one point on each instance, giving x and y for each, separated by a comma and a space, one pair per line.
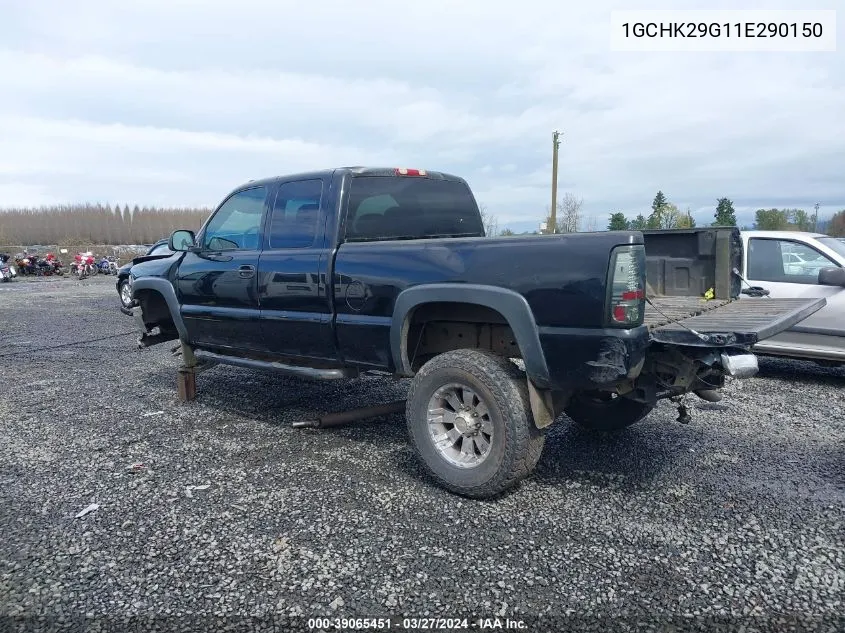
605, 413
125, 293
469, 421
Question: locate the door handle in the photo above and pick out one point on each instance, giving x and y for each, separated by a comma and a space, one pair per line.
246, 271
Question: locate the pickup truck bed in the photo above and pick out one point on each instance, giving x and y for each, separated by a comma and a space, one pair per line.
682, 266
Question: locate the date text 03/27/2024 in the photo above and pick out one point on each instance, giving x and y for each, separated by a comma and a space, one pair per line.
416, 624
724, 30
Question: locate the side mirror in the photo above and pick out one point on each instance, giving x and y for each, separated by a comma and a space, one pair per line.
181, 240
832, 277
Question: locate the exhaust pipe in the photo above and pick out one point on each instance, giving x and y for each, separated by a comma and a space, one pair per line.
740, 365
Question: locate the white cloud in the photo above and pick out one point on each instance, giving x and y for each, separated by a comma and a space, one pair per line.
176, 102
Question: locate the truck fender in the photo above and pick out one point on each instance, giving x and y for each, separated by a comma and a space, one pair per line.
511, 305
165, 289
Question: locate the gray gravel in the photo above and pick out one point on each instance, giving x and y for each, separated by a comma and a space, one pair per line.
738, 517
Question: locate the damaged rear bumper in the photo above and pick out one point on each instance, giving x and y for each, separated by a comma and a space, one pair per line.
593, 358
601, 358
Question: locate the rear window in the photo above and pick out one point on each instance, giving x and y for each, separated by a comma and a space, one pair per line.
385, 208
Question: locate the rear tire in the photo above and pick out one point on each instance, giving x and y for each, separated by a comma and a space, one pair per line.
492, 443
605, 414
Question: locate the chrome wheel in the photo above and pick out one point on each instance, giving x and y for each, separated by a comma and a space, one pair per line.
459, 425
125, 294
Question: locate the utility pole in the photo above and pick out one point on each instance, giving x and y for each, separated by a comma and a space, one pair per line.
816, 219
555, 145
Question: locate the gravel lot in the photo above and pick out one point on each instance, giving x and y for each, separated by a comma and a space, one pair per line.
738, 517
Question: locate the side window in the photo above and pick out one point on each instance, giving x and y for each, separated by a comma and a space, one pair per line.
785, 261
237, 223
296, 214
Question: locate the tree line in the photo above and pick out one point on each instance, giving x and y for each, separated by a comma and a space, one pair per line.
95, 224
798, 220
665, 215
106, 224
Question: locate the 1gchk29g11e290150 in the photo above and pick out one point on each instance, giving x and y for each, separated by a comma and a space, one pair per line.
724, 29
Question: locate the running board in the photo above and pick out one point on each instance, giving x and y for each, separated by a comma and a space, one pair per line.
298, 371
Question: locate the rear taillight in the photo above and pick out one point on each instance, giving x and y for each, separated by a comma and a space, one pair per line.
403, 171
626, 286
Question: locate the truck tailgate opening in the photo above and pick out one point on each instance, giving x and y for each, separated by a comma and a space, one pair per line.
723, 322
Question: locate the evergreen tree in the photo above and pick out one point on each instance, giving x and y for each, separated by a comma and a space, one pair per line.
725, 214
618, 222
639, 223
659, 202
658, 208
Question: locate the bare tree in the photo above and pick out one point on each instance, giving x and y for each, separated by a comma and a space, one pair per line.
570, 211
490, 221
568, 217
669, 217
590, 224
92, 224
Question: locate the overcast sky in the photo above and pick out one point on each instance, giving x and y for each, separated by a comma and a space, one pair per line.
176, 102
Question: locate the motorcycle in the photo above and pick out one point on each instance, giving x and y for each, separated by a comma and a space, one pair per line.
26, 264
7, 270
53, 266
84, 264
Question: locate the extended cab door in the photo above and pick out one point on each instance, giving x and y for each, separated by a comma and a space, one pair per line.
218, 283
296, 315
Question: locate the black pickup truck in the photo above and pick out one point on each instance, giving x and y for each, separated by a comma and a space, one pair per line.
331, 274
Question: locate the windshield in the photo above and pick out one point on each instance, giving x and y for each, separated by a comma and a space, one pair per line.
835, 245
385, 208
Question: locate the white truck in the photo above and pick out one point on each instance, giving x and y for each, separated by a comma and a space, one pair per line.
796, 265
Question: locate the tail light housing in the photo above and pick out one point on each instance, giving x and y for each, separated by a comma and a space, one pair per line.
626, 286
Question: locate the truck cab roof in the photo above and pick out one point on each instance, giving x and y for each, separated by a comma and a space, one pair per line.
355, 171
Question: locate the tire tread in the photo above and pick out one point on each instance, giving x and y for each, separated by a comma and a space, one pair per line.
524, 441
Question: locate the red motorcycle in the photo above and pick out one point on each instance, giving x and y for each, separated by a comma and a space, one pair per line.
51, 266
83, 265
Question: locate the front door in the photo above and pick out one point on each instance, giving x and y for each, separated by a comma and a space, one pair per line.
295, 304
218, 284
790, 269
